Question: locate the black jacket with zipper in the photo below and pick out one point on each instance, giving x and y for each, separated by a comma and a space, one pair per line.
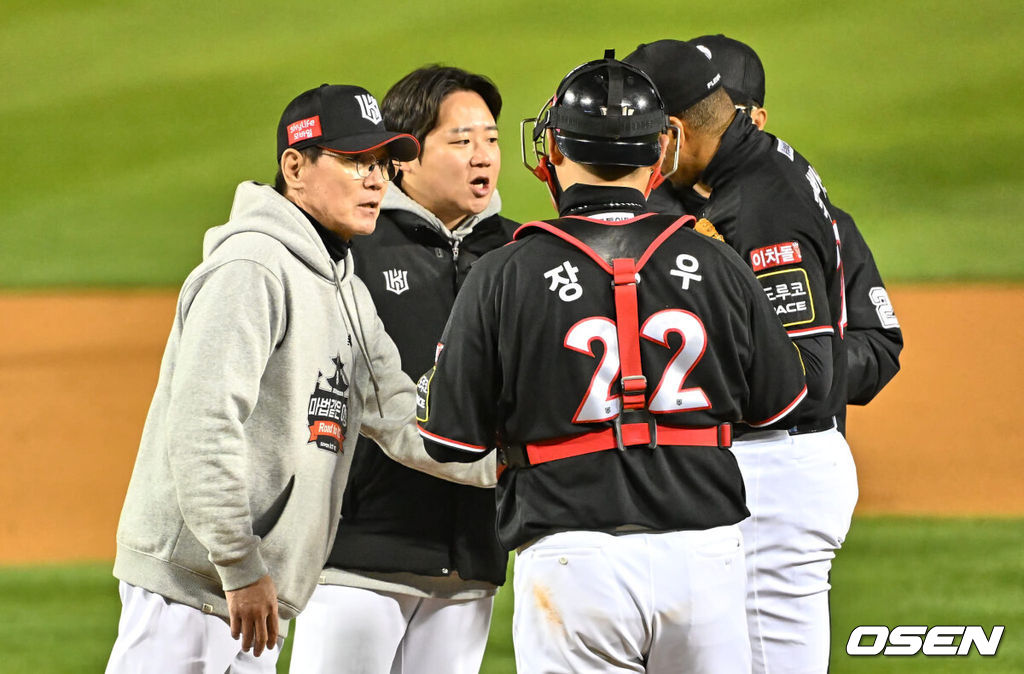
873, 339
394, 518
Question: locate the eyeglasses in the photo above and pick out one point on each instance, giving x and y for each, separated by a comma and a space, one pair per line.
364, 167
749, 109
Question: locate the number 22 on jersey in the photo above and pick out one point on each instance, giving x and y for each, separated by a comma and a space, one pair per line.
600, 404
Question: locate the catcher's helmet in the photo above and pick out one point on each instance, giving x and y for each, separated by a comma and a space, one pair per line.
606, 112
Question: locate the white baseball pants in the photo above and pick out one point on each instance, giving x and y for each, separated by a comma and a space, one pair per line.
801, 491
155, 634
588, 601
349, 630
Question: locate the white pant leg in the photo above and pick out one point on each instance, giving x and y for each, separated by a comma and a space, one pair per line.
573, 612
641, 602
154, 632
801, 491
700, 587
350, 630
445, 635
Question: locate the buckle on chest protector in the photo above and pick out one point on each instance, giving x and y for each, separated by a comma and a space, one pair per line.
635, 416
634, 390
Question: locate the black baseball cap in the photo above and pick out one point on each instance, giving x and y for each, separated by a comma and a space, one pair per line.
684, 76
741, 69
343, 118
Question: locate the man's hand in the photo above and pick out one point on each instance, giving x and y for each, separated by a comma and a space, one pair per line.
253, 613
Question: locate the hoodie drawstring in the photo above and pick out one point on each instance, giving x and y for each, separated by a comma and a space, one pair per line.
357, 330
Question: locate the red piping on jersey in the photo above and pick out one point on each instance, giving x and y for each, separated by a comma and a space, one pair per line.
632, 434
785, 410
804, 332
466, 447
843, 322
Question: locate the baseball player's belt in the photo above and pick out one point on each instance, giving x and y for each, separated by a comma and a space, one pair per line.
814, 426
817, 426
624, 435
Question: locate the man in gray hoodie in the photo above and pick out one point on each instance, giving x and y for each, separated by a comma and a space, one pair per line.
403, 577
275, 364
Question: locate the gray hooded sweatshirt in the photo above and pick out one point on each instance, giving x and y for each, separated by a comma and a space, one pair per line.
275, 363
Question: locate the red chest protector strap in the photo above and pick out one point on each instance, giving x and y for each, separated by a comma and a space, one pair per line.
650, 228
634, 384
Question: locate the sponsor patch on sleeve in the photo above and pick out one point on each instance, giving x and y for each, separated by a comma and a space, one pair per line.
784, 148
422, 394
304, 129
789, 293
775, 255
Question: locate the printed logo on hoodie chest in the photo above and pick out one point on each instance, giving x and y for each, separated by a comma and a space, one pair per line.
328, 408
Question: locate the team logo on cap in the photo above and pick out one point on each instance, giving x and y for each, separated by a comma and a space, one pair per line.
304, 129
368, 108
704, 50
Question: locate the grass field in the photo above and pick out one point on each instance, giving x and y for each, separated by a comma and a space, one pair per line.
893, 571
126, 124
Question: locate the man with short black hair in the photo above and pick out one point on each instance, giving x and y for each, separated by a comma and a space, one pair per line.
873, 336
275, 364
769, 204
605, 355
411, 580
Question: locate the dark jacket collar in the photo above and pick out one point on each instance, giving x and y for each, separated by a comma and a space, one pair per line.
337, 247
741, 142
582, 199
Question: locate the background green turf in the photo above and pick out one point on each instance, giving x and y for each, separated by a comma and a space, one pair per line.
125, 125
893, 571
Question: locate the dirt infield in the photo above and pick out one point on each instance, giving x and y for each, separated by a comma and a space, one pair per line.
77, 372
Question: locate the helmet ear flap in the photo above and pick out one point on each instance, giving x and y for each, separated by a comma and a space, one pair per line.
544, 170
546, 173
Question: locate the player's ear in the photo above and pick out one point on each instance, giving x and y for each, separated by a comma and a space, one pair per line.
668, 155
554, 154
667, 143
292, 164
760, 116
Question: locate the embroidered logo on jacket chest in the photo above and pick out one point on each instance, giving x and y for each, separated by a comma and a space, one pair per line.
396, 280
327, 414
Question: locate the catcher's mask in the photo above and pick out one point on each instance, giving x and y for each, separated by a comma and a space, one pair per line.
605, 113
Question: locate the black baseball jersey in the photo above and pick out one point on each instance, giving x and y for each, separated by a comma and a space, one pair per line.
769, 204
873, 339
873, 336
530, 353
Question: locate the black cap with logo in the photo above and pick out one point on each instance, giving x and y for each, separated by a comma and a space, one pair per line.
741, 69
684, 76
343, 118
